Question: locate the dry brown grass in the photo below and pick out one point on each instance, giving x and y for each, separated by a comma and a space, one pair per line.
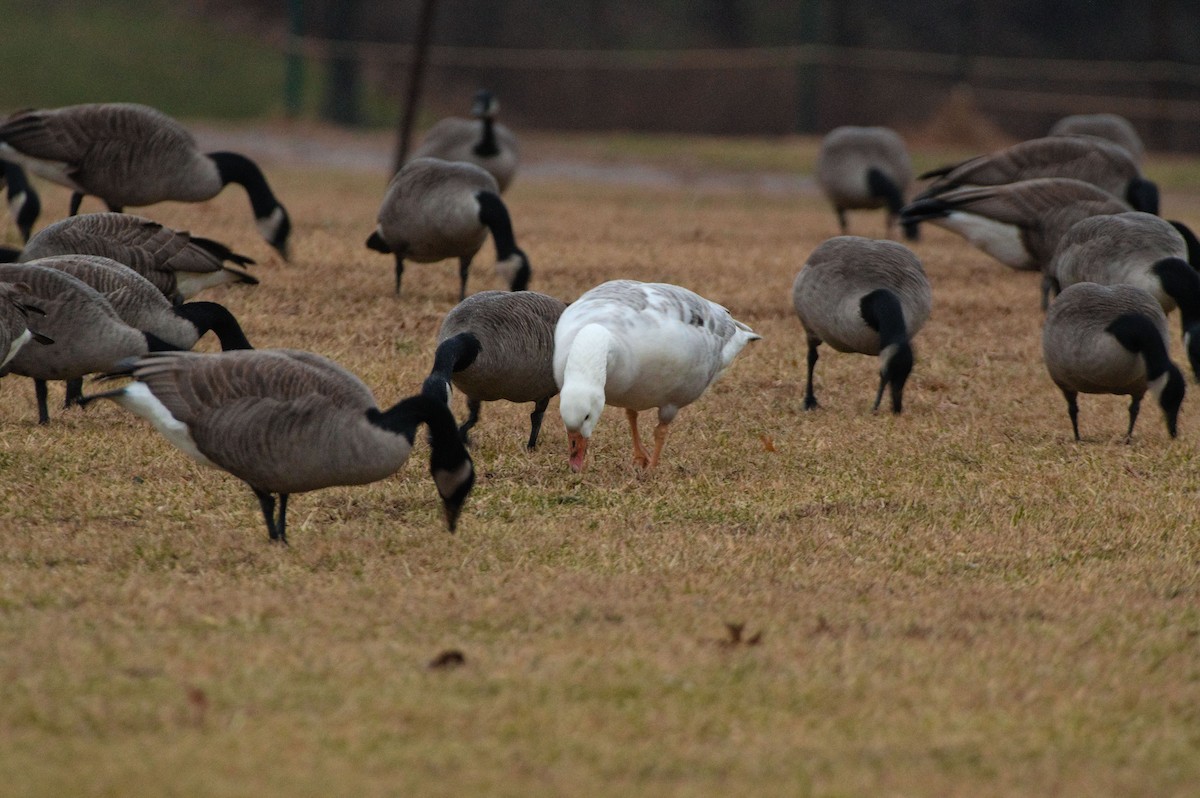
960, 601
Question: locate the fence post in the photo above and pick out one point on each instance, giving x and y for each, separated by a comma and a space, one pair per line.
408, 117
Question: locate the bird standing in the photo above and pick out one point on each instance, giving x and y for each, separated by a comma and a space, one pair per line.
860, 295
1111, 339
482, 141
435, 209
286, 421
639, 346
134, 155
499, 345
864, 167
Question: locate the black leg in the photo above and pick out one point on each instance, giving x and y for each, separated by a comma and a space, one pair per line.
1049, 286
76, 201
841, 217
879, 393
267, 502
399, 272
115, 208
39, 390
74, 392
281, 525
1135, 405
473, 406
535, 422
1072, 410
464, 271
810, 400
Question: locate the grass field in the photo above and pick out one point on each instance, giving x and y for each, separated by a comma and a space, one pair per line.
958, 601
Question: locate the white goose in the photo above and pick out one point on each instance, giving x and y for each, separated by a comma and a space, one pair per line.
639, 346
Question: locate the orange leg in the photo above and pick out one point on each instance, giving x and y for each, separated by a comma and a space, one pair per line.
660, 437
640, 458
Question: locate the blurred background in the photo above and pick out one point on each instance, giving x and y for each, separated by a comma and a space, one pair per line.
956, 71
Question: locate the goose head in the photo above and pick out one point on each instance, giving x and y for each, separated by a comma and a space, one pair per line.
486, 105
580, 406
515, 271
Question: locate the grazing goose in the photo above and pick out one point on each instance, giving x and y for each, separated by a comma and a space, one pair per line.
1092, 160
1111, 339
179, 264
24, 204
481, 141
1135, 249
435, 209
1018, 224
1106, 126
88, 335
498, 345
133, 155
286, 422
864, 167
865, 296
14, 321
142, 306
639, 346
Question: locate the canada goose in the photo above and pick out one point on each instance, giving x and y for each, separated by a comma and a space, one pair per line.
179, 264
481, 141
498, 345
1111, 339
639, 346
133, 155
1018, 224
24, 204
860, 295
864, 167
15, 331
88, 335
1097, 161
286, 422
142, 306
1106, 126
1135, 249
435, 209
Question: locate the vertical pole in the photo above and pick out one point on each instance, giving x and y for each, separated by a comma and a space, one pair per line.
293, 74
408, 115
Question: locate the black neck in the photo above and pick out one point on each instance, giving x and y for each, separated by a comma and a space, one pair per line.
405, 416
1189, 238
205, 316
15, 177
486, 147
239, 169
156, 344
1180, 282
9, 255
454, 354
1142, 195
882, 186
494, 216
1140, 335
882, 312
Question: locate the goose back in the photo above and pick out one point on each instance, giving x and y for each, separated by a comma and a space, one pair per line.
1118, 248
88, 335
1110, 127
1096, 161
178, 264
283, 421
516, 333
430, 212
1081, 355
829, 290
668, 343
135, 299
848, 153
124, 153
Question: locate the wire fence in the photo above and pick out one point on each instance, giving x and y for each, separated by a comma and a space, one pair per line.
775, 90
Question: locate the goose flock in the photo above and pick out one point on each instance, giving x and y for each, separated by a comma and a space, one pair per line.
110, 294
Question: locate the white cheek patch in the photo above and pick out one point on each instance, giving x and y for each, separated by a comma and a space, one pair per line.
1001, 241
17, 203
885, 356
16, 345
268, 226
450, 481
138, 399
